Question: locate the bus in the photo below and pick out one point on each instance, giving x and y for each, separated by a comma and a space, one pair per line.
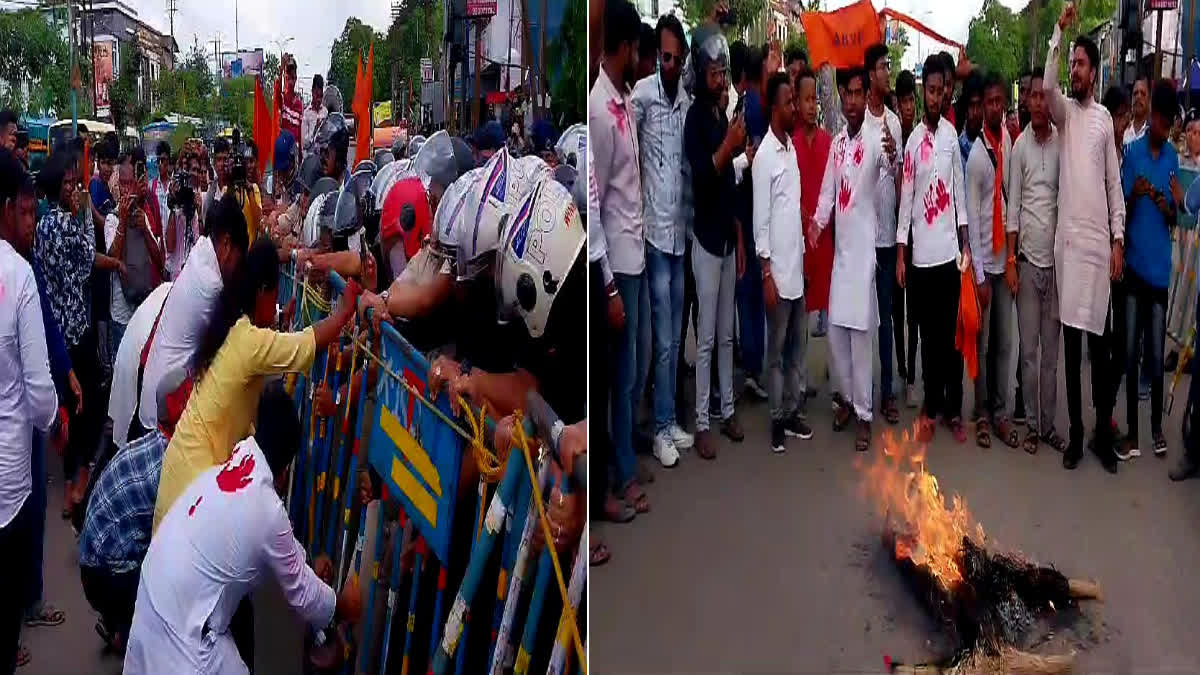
39, 148
60, 132
152, 135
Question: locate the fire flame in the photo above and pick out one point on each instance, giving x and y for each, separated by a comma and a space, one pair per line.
897, 482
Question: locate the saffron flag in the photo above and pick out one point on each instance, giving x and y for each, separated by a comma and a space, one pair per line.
262, 123
362, 109
841, 37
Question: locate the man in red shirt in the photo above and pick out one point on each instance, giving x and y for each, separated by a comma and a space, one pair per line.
292, 112
812, 151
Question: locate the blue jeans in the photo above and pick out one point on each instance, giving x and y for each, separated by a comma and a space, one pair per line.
666, 297
752, 317
885, 285
631, 364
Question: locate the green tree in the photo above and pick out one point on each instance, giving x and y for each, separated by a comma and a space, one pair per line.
187, 90
896, 54
996, 40
411, 37
1090, 15
270, 73
745, 12
235, 102
125, 100
34, 54
355, 41
568, 88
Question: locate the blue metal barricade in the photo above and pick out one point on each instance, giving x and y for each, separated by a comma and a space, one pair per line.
416, 448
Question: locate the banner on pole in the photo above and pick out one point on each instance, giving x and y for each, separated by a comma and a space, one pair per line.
427, 70
481, 9
102, 64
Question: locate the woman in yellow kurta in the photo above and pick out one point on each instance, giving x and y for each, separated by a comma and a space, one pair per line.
238, 354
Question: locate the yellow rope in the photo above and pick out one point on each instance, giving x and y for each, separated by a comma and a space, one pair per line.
568, 611
490, 466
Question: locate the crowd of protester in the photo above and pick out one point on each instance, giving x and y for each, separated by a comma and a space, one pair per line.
734, 191
144, 341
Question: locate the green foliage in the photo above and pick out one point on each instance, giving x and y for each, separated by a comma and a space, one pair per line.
697, 12
34, 53
1090, 15
415, 34
796, 40
235, 103
124, 100
270, 74
896, 53
996, 40
355, 41
569, 91
187, 90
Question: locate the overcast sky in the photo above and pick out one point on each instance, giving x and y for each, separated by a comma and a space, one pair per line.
314, 25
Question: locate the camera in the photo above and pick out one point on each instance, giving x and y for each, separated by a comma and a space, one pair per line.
182, 194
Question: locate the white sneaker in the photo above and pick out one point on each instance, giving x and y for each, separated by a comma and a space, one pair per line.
681, 439
758, 390
664, 450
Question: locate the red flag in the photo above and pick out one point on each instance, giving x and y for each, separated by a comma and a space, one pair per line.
273, 112
362, 109
262, 123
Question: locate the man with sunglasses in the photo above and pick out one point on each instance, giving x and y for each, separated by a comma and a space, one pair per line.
660, 107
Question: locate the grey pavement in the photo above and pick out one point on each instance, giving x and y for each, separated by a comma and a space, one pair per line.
763, 563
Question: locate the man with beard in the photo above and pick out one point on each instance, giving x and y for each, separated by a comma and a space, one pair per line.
614, 144
987, 202
711, 141
851, 184
884, 122
933, 209
1032, 219
1095, 229
660, 106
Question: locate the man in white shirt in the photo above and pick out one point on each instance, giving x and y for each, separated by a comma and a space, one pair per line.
27, 397
887, 124
779, 244
1140, 108
1089, 243
314, 114
987, 202
200, 567
1032, 219
850, 185
188, 309
933, 208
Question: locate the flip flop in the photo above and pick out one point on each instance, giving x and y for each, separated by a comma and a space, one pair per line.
1007, 434
617, 511
635, 497
1030, 444
48, 615
598, 554
983, 433
23, 656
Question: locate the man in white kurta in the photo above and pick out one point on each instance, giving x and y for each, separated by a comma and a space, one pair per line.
223, 537
1089, 241
849, 196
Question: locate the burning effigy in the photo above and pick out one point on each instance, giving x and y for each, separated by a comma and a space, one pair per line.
987, 602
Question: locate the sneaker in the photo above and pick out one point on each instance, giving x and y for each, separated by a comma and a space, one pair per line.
682, 439
753, 386
777, 436
1160, 445
732, 429
797, 427
1127, 449
910, 396
665, 451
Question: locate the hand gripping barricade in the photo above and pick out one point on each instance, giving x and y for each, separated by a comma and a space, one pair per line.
417, 448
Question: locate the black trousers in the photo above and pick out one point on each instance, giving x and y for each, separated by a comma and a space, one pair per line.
16, 543
907, 367
690, 313
937, 319
87, 425
599, 445
1099, 353
241, 627
112, 594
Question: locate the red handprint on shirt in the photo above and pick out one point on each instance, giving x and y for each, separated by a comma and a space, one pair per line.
937, 198
943, 196
910, 167
192, 508
618, 112
233, 478
858, 154
844, 195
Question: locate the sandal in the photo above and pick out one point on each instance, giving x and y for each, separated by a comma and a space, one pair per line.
47, 615
983, 433
1030, 444
841, 416
636, 498
23, 656
891, 413
617, 511
1055, 441
1007, 433
956, 428
862, 442
598, 554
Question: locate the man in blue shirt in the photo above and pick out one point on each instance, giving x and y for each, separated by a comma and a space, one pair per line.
1149, 166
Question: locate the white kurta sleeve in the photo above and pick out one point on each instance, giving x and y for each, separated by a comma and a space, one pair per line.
958, 189
1054, 97
41, 401
1112, 184
828, 194
1013, 177
305, 593
907, 188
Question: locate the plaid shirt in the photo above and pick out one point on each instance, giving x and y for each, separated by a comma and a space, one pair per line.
116, 532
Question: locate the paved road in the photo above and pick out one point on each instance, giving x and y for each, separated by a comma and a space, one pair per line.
757, 562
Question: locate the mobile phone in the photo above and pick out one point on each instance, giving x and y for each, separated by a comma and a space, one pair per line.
739, 106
